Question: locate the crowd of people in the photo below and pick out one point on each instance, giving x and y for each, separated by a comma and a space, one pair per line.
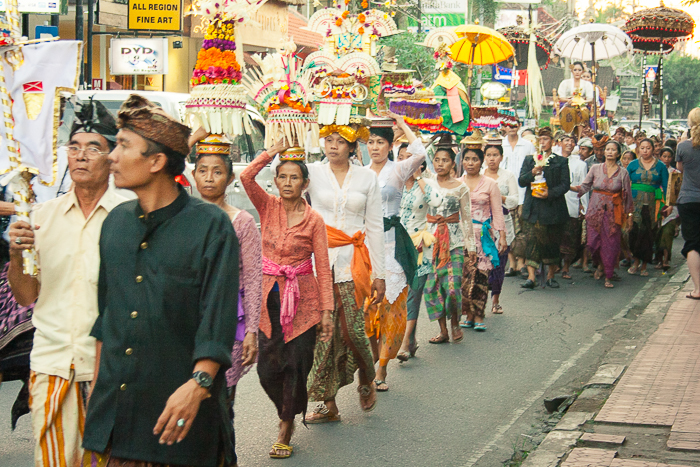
149, 311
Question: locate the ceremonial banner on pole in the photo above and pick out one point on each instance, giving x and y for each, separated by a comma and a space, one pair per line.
45, 70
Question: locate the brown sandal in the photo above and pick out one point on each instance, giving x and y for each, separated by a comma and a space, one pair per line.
321, 414
367, 394
440, 339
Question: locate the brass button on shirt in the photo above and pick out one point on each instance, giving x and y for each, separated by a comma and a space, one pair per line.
186, 305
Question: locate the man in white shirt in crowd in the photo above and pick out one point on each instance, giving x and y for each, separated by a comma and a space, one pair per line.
571, 245
515, 149
65, 235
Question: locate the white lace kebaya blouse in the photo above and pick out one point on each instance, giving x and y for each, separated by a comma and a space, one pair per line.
356, 206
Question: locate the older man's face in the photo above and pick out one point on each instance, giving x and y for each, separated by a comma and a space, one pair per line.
87, 160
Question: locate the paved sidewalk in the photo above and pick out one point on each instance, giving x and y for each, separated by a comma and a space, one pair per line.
651, 416
662, 385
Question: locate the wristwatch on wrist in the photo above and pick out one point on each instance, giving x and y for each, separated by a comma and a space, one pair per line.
203, 378
418, 179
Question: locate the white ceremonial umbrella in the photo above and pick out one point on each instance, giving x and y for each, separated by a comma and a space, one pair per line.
591, 42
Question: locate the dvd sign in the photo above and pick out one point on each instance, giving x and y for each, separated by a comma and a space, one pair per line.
139, 56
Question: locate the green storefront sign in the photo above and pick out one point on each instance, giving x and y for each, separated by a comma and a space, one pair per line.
432, 21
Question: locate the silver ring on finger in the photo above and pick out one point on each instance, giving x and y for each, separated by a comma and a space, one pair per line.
181, 422
18, 240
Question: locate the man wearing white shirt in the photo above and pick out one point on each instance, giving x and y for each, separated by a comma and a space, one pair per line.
515, 149
571, 244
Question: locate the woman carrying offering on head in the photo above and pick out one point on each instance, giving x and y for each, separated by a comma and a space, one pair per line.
350, 201
295, 300
649, 177
508, 186
487, 216
417, 197
609, 208
451, 225
386, 322
213, 172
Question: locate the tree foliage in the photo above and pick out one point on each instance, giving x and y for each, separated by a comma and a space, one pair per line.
413, 56
681, 75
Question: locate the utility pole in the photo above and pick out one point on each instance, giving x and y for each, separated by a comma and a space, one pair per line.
91, 21
79, 34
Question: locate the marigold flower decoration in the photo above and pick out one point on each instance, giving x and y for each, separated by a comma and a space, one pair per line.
216, 61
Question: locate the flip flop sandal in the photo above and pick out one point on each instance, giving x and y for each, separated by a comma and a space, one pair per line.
615, 277
439, 339
632, 271
281, 447
403, 356
497, 310
609, 285
587, 270
644, 273
690, 296
457, 339
321, 414
413, 350
565, 275
365, 395
379, 382
466, 324
480, 327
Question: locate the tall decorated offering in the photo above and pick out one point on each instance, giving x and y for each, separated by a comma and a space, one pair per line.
282, 88
218, 99
400, 94
347, 76
35, 76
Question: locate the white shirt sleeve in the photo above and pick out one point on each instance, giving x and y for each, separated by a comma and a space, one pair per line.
513, 197
408, 167
374, 230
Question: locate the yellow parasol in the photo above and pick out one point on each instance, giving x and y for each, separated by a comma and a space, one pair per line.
479, 45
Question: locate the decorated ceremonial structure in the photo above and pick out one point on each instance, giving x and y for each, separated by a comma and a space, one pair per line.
282, 87
218, 99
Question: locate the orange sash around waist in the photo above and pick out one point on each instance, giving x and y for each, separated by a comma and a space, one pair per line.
441, 253
361, 266
617, 203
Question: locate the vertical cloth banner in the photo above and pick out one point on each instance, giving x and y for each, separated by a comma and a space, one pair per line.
45, 71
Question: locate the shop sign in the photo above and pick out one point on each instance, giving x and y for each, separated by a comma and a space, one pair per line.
39, 6
136, 56
629, 93
155, 15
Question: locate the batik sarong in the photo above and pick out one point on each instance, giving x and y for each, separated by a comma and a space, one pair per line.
642, 236
390, 322
442, 288
542, 243
571, 247
475, 290
336, 361
498, 274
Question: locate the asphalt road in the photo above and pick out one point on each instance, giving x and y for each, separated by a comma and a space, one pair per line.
453, 405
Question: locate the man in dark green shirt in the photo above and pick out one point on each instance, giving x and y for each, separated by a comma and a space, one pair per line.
167, 293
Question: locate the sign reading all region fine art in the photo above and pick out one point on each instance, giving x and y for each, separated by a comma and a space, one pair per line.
155, 15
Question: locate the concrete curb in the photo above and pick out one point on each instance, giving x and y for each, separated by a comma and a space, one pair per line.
568, 432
